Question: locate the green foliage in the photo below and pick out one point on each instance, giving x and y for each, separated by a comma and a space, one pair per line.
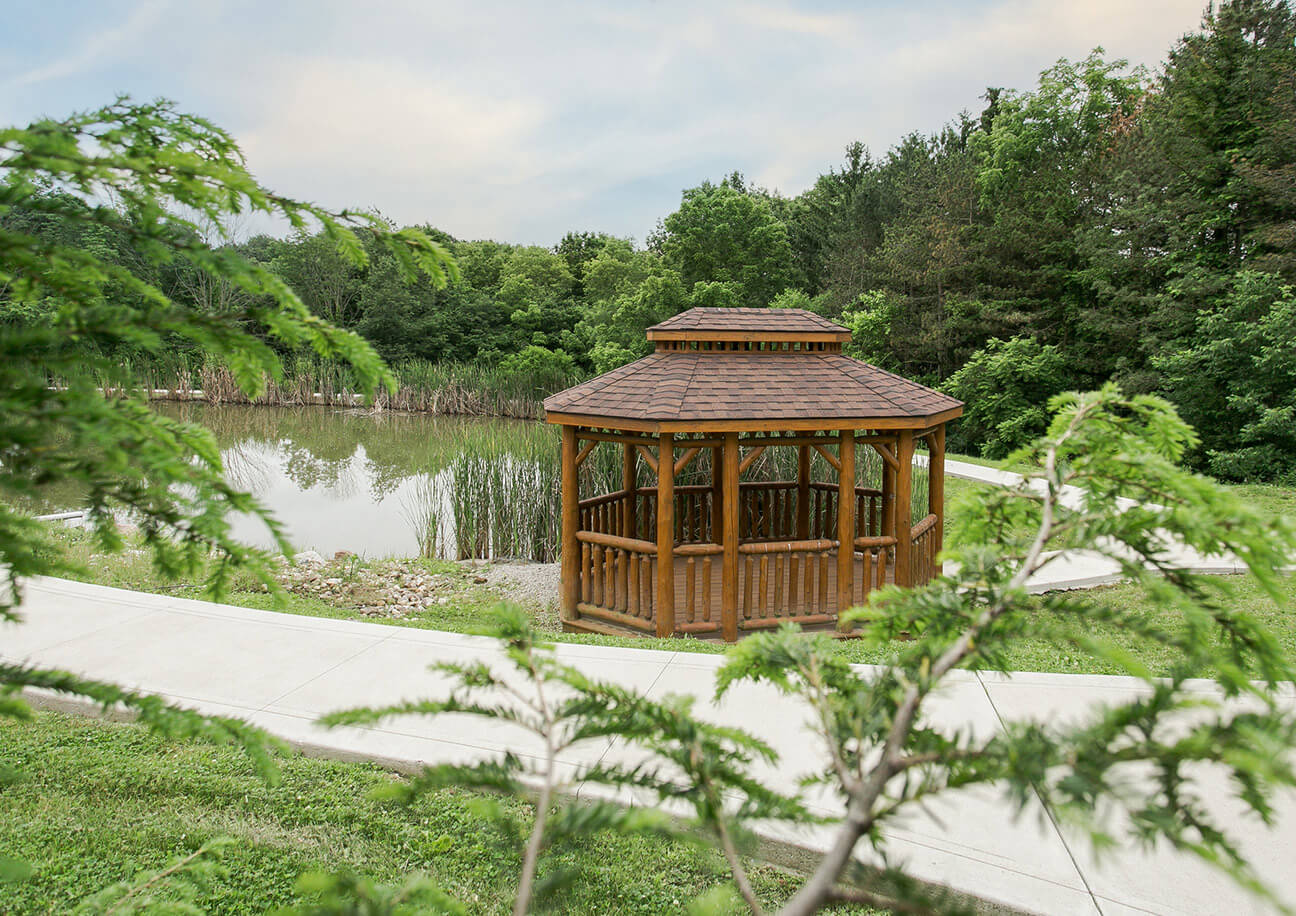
98, 212
171, 891
156, 163
722, 234
1237, 383
538, 361
348, 894
561, 709
1006, 387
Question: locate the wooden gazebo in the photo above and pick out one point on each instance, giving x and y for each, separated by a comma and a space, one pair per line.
728, 555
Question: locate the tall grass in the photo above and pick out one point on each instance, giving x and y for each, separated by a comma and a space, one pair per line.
458, 389
499, 495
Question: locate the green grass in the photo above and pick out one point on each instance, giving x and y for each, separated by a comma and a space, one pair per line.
105, 801
470, 602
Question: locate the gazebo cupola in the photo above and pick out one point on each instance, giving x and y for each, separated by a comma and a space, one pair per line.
728, 555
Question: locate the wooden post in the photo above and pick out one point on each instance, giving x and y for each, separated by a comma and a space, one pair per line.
936, 485
888, 499
803, 493
904, 509
570, 523
729, 569
717, 493
666, 534
630, 484
845, 520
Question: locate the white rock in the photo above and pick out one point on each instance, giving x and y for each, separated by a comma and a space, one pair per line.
309, 558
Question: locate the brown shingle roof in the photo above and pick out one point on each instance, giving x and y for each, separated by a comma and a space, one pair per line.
778, 321
690, 386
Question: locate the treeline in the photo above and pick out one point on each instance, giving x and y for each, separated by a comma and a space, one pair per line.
1108, 224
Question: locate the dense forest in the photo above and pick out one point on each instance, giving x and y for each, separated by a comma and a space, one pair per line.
1107, 224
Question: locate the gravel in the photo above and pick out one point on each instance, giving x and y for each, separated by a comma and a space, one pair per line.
525, 583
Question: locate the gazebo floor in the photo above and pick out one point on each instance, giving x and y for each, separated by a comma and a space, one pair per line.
773, 609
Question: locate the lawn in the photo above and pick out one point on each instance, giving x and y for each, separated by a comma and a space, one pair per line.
104, 801
468, 601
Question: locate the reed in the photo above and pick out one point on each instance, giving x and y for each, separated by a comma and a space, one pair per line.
448, 389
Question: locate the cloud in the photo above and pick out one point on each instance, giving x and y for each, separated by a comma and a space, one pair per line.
93, 49
515, 121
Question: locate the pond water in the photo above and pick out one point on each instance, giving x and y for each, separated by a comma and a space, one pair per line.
403, 484
352, 480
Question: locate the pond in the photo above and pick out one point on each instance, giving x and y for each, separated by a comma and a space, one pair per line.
406, 484
370, 483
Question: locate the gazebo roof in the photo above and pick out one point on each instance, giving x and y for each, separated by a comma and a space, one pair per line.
740, 324
749, 369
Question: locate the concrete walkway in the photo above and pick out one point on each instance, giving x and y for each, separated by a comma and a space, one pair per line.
1081, 568
281, 672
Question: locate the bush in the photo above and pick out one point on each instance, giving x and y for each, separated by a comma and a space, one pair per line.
1006, 387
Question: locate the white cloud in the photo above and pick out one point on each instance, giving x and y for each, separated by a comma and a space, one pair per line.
520, 121
94, 49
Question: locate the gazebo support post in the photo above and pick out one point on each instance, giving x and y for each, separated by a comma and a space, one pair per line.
888, 496
630, 484
845, 522
904, 509
665, 535
717, 493
803, 493
729, 567
570, 524
936, 484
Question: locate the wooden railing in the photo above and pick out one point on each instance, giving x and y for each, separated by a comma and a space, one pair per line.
780, 579
767, 512
876, 555
700, 611
604, 514
618, 579
922, 558
788, 581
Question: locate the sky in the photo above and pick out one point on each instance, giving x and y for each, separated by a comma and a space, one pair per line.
520, 121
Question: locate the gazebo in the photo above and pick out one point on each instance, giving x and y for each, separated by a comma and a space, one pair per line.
730, 555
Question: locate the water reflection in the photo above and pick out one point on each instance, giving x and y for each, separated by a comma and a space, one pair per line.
343, 480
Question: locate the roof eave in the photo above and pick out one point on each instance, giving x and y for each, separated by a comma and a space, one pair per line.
763, 424
842, 336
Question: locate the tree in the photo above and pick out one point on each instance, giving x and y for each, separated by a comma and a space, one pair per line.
1237, 381
1040, 175
154, 177
1006, 387
722, 234
327, 281
1146, 759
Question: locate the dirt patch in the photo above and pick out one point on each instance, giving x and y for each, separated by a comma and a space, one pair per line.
534, 584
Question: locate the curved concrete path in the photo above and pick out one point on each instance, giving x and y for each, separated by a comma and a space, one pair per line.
281, 672
1079, 568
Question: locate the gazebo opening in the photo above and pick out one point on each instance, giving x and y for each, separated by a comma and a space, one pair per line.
731, 554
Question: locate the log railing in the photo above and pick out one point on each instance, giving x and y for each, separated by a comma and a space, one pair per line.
787, 581
923, 556
780, 579
700, 610
875, 555
617, 579
604, 514
767, 512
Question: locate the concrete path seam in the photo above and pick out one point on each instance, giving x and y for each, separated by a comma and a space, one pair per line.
1057, 828
328, 670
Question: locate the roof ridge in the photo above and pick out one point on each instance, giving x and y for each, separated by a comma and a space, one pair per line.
832, 364
679, 408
